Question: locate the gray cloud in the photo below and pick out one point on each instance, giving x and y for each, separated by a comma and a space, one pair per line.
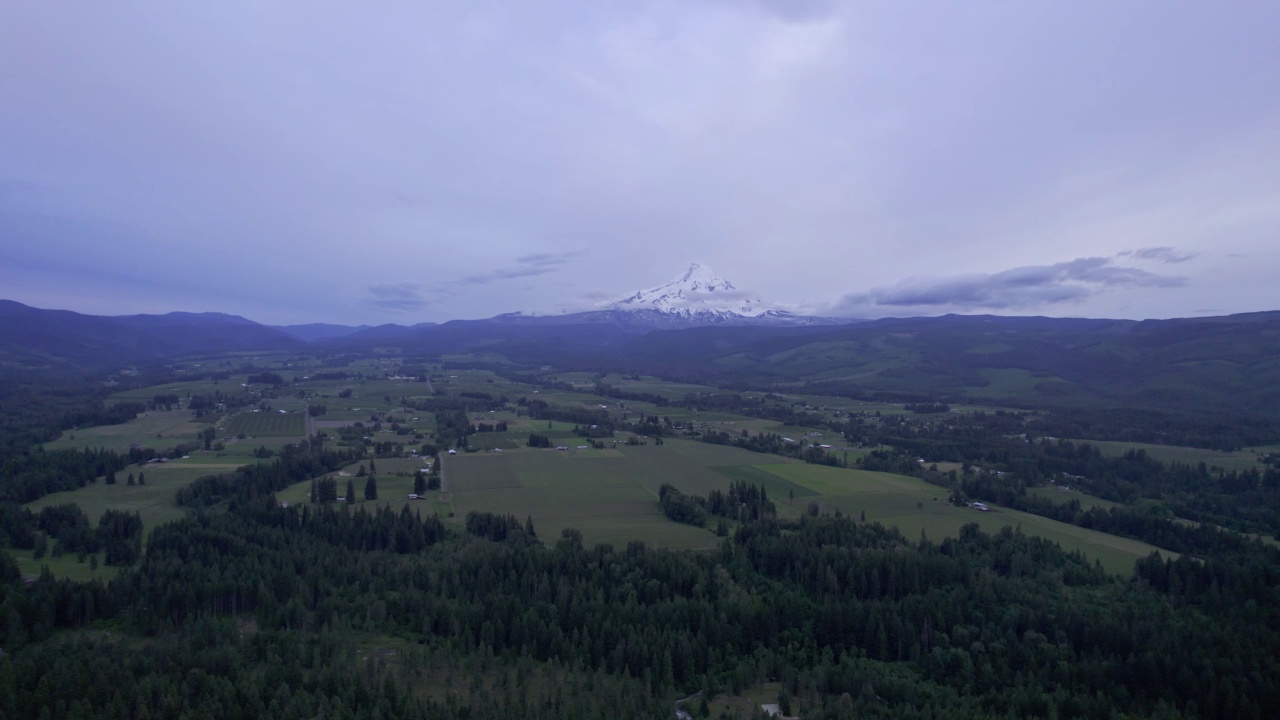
397, 297
1017, 288
506, 274
547, 259
530, 265
1163, 254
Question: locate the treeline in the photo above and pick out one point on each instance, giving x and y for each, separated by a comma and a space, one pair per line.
500, 528
203, 404
1213, 427
1148, 522
687, 509
1244, 500
265, 378
35, 407
118, 534
926, 408
541, 410
295, 464
743, 502
606, 390
851, 618
31, 475
775, 444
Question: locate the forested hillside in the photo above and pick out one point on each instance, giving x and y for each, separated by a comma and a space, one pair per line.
248, 609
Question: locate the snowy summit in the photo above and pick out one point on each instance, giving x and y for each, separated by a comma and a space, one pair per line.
699, 292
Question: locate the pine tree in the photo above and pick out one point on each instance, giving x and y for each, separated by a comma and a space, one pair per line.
371, 488
351, 490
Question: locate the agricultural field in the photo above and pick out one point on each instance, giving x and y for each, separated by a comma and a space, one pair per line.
394, 482
611, 496
156, 429
1237, 460
646, 384
154, 501
915, 507
266, 424
1059, 496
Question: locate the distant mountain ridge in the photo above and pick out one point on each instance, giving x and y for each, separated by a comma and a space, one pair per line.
42, 338
1190, 364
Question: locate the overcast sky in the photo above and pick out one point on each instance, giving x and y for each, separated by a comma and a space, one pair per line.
412, 161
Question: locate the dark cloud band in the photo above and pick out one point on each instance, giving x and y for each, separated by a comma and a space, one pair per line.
1016, 288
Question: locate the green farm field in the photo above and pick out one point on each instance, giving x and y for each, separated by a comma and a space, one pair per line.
609, 495
914, 506
613, 498
266, 424
1088, 502
155, 429
1238, 460
154, 502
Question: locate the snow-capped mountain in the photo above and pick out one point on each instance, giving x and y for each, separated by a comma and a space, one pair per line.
699, 293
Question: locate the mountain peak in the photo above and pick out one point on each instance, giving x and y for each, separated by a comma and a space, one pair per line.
699, 275
698, 292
